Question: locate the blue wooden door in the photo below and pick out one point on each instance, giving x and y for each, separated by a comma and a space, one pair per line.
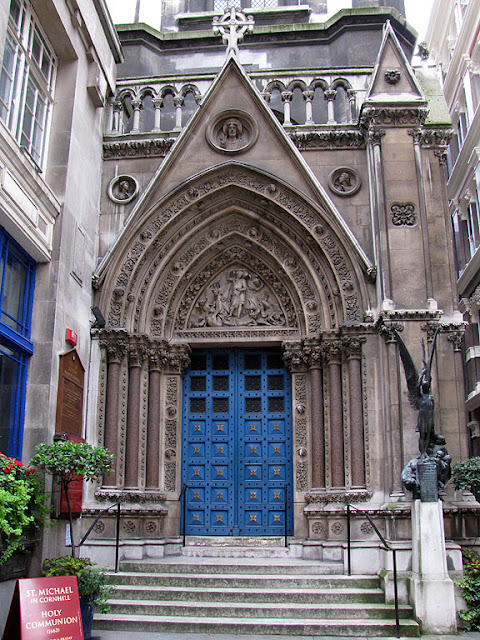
237, 451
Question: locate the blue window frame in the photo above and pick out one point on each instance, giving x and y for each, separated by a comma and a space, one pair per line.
17, 283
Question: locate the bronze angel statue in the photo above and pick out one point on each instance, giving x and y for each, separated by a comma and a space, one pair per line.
419, 393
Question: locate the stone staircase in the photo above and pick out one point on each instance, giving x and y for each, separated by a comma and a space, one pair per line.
247, 590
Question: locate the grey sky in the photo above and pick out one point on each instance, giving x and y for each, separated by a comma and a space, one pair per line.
417, 11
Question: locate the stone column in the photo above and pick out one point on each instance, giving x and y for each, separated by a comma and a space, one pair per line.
315, 361
352, 97
330, 96
308, 95
333, 355
154, 418
379, 217
178, 101
137, 106
136, 355
157, 105
394, 440
117, 110
422, 214
353, 349
286, 99
115, 353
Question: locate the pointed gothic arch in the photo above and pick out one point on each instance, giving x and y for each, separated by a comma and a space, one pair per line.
233, 217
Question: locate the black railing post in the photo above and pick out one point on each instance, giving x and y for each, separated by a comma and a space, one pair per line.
184, 518
286, 523
349, 543
395, 592
117, 542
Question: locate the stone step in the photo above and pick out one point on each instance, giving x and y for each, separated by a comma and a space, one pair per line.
235, 552
214, 594
235, 541
247, 581
249, 626
264, 566
269, 610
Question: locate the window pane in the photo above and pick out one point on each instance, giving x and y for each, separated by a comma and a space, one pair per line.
13, 301
10, 394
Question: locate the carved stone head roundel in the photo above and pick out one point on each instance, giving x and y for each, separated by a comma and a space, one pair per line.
232, 131
344, 181
123, 189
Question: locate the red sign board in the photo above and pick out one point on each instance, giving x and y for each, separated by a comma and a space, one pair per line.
45, 608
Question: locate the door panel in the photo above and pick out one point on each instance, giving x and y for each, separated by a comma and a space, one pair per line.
237, 445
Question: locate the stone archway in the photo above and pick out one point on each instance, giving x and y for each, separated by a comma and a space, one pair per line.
170, 287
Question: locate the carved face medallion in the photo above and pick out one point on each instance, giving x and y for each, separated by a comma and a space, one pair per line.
344, 181
232, 131
123, 189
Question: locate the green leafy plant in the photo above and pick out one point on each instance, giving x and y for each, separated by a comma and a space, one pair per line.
22, 503
92, 581
466, 475
67, 460
470, 586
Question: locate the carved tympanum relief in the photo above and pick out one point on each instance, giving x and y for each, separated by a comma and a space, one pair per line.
237, 298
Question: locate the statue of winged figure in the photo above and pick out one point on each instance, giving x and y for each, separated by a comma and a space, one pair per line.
419, 393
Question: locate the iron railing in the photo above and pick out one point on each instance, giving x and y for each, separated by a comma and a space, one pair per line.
386, 547
117, 541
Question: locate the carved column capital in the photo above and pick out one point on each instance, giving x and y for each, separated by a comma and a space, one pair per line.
178, 100
308, 95
286, 96
387, 331
332, 352
313, 353
179, 358
137, 353
136, 105
293, 355
455, 332
267, 96
157, 103
352, 346
374, 137
329, 95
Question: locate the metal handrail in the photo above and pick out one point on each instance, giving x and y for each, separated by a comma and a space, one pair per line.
184, 511
386, 547
117, 541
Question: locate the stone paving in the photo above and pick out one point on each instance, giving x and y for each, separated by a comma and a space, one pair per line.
129, 635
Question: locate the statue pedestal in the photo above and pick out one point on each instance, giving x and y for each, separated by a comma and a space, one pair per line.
431, 589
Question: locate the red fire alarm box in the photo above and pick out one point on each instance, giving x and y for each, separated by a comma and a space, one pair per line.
71, 337
75, 488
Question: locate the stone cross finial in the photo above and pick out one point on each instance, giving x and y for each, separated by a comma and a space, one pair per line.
232, 26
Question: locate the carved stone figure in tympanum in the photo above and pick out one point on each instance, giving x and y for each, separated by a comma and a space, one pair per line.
237, 298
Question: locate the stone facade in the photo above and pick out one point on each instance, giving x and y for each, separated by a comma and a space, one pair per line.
452, 36
284, 193
321, 194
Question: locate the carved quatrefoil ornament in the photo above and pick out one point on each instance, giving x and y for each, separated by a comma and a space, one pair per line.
232, 131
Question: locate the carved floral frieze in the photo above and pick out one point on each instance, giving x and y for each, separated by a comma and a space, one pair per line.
306, 140
117, 150
393, 117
